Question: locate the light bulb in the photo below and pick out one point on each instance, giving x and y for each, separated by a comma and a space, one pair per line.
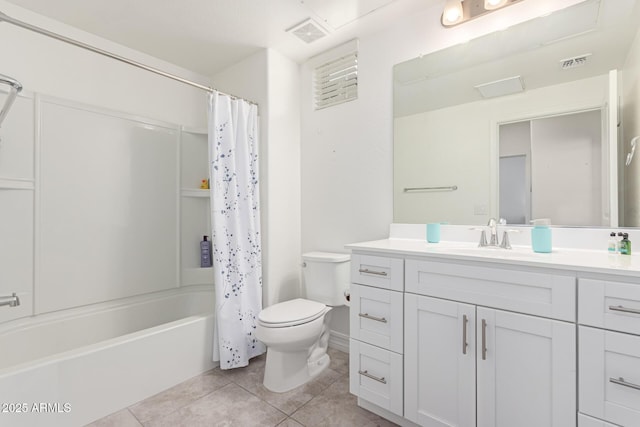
494, 4
452, 12
452, 15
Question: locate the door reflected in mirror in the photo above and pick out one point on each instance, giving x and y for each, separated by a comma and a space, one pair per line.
554, 167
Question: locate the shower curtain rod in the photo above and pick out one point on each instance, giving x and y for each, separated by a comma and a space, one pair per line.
6, 18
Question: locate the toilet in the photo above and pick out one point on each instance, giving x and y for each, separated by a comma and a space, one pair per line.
296, 332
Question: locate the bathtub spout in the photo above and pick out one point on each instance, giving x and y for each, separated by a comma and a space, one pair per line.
12, 301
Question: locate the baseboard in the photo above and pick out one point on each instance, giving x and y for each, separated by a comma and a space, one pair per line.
339, 341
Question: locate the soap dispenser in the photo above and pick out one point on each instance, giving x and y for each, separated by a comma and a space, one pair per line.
541, 235
613, 246
625, 244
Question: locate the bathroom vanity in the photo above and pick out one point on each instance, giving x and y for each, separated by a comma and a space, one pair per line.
450, 334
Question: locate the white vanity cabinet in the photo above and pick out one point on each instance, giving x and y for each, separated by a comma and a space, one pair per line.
481, 341
520, 369
609, 349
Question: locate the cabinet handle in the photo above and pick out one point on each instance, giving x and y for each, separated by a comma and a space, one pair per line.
377, 319
484, 339
624, 309
621, 381
368, 375
465, 320
367, 271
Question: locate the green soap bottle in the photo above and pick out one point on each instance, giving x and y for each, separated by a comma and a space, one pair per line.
625, 244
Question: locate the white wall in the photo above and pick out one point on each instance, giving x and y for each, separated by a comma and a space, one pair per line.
283, 164
272, 81
631, 128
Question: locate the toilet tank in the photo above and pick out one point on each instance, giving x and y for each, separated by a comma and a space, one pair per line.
326, 277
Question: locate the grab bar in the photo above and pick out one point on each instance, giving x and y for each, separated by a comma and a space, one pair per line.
11, 301
416, 189
16, 87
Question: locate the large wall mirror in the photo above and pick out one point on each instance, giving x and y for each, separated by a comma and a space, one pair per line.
522, 123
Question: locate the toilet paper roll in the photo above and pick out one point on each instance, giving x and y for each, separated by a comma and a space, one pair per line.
347, 297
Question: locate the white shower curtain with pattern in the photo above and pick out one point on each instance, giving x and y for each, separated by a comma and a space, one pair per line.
235, 222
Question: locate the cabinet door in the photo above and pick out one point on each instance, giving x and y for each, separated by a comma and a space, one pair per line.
526, 370
439, 362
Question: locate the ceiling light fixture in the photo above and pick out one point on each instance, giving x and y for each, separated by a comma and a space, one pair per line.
458, 11
494, 4
453, 12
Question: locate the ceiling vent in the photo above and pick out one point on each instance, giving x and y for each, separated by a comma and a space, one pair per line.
502, 87
308, 31
576, 61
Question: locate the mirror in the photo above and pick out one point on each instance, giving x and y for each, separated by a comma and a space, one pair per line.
460, 113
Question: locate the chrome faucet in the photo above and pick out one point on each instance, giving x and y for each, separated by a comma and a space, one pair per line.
493, 230
493, 236
11, 301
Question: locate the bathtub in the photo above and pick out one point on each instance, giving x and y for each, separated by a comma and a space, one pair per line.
72, 367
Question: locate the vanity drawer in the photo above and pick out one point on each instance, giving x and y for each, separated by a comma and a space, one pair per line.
376, 317
609, 305
375, 375
541, 294
609, 376
378, 271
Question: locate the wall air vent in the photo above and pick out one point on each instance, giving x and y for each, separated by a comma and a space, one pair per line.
576, 61
308, 31
336, 81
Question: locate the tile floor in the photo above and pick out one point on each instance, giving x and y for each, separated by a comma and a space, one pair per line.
238, 398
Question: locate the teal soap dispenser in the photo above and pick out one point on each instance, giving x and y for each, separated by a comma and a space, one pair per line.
541, 235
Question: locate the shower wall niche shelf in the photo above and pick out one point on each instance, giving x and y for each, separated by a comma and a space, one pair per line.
195, 216
195, 192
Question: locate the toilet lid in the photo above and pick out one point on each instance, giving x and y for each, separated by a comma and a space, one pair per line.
292, 312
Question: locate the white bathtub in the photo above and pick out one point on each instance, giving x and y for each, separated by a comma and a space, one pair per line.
70, 368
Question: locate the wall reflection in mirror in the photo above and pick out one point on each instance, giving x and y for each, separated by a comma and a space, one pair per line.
531, 122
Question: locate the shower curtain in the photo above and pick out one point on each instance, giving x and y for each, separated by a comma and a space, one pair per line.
235, 224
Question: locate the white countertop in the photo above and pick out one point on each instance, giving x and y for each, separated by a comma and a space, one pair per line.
566, 259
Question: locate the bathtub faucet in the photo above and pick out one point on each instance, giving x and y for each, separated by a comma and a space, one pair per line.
11, 301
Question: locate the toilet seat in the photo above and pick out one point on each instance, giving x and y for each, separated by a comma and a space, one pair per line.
291, 313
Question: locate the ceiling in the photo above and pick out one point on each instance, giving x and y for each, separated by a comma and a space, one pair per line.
207, 36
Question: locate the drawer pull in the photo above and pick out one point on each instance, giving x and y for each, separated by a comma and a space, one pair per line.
373, 377
367, 271
465, 320
621, 381
377, 319
624, 309
484, 339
